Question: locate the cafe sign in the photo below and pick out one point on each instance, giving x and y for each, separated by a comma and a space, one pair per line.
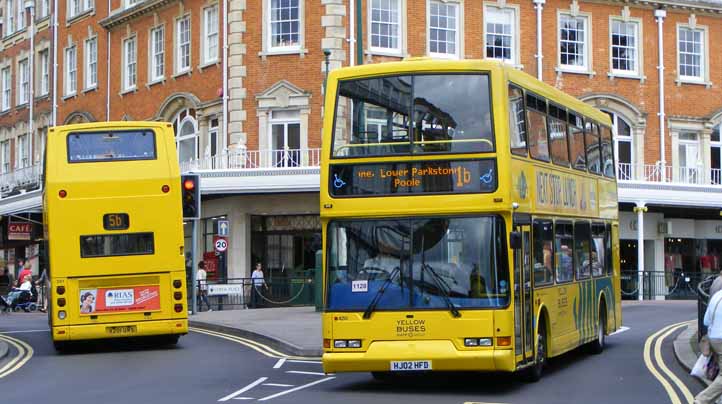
19, 230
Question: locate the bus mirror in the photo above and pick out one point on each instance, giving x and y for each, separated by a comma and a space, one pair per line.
515, 240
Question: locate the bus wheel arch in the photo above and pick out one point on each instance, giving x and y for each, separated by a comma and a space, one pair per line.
541, 351
597, 346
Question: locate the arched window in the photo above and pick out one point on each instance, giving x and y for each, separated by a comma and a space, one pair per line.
185, 126
623, 146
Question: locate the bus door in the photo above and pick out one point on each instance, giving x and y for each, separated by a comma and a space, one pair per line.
523, 313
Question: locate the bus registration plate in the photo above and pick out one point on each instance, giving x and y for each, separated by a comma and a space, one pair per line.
406, 366
123, 329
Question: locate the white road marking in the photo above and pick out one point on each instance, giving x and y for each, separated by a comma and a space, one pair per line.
278, 384
25, 352
279, 363
23, 331
301, 372
243, 390
620, 330
243, 398
283, 393
299, 361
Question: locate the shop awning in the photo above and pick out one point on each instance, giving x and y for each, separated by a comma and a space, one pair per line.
29, 202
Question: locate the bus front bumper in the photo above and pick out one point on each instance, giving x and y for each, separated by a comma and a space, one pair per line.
120, 330
442, 355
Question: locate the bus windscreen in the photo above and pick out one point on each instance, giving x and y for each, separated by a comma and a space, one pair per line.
84, 147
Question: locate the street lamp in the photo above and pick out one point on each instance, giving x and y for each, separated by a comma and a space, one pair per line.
30, 6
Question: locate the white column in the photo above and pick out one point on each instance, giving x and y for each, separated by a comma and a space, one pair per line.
639, 210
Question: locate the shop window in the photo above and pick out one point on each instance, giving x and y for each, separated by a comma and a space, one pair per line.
581, 249
543, 252
564, 246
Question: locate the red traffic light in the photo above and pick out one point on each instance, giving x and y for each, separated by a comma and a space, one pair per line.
189, 184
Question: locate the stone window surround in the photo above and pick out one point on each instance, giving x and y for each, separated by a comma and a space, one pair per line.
639, 74
151, 79
459, 55
266, 49
502, 5
176, 44
402, 50
282, 96
705, 79
703, 129
587, 42
86, 71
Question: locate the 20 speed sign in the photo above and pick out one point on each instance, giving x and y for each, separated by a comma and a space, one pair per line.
221, 244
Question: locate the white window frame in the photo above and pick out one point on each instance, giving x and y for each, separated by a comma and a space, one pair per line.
586, 68
153, 52
22, 159
515, 41
44, 57
91, 63
267, 29
637, 73
401, 30
210, 32
23, 77
7, 86
195, 136
44, 9
78, 7
458, 34
20, 23
130, 63
71, 70
703, 78
130, 3
181, 46
5, 157
292, 117
10, 17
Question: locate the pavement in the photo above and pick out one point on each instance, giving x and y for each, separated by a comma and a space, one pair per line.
291, 330
686, 349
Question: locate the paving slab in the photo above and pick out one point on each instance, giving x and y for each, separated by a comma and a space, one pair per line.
291, 330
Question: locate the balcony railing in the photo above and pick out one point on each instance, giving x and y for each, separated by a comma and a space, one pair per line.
20, 179
256, 159
669, 174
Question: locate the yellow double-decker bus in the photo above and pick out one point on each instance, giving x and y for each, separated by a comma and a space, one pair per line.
469, 218
114, 231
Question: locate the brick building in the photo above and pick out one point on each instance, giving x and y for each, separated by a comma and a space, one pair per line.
248, 116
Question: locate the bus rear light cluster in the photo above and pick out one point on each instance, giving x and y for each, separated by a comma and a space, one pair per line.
177, 295
177, 283
178, 307
478, 342
61, 314
347, 343
165, 189
62, 193
61, 302
60, 290
503, 341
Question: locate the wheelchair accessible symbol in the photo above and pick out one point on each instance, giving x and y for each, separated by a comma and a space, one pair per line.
488, 177
338, 183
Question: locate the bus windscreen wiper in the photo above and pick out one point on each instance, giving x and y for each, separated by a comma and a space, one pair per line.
443, 287
377, 297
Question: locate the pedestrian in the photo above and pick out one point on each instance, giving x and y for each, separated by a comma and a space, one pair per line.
716, 285
713, 321
27, 270
201, 278
43, 283
257, 281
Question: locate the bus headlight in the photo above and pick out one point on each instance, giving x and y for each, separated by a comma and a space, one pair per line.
485, 341
354, 343
61, 314
471, 342
340, 343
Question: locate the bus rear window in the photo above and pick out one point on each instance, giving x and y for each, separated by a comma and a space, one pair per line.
111, 146
112, 245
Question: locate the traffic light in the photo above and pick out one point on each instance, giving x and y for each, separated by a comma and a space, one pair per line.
191, 194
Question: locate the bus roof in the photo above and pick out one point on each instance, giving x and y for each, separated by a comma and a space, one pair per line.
425, 64
115, 125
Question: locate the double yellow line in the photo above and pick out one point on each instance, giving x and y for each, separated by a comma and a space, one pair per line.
661, 368
256, 346
25, 352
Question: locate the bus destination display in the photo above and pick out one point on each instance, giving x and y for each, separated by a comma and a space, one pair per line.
116, 221
407, 178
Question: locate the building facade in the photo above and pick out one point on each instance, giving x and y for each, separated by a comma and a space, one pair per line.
243, 83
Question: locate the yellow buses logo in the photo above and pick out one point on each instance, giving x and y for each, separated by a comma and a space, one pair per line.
521, 185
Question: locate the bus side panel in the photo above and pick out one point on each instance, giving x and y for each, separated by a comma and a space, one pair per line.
616, 277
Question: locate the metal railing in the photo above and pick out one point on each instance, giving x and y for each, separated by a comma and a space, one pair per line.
255, 159
702, 301
667, 285
20, 177
670, 174
242, 294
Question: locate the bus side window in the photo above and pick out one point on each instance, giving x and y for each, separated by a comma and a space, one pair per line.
598, 249
543, 252
537, 127
607, 155
591, 138
564, 245
608, 249
581, 249
517, 121
576, 142
558, 135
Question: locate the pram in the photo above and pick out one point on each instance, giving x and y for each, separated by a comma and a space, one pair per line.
18, 299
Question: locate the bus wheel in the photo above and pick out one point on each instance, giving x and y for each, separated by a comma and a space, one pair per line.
597, 346
60, 346
170, 340
381, 376
535, 372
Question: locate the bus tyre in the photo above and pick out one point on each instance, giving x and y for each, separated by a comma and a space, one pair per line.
169, 340
381, 376
60, 346
534, 373
597, 346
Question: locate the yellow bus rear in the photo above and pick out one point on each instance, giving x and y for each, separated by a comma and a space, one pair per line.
114, 229
427, 216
